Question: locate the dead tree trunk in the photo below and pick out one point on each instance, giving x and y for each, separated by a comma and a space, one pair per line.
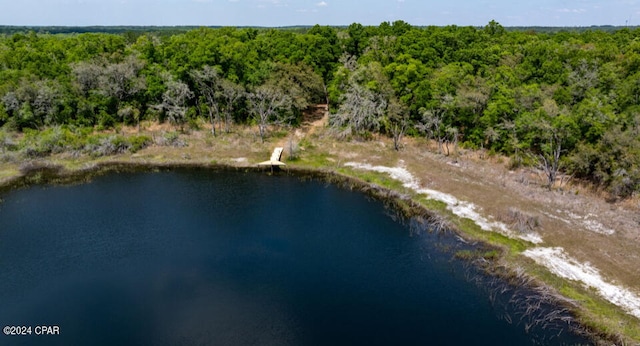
549, 161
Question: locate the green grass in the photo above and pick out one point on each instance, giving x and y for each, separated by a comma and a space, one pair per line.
314, 160
595, 313
377, 178
8, 173
470, 228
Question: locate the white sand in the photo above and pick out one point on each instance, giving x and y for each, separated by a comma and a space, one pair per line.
566, 267
597, 227
555, 259
460, 208
586, 222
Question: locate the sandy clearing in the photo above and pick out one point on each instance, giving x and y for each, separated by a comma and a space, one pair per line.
561, 264
460, 208
587, 222
555, 259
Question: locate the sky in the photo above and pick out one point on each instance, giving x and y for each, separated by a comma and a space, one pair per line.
324, 12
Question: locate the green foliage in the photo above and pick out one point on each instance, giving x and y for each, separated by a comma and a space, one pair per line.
613, 162
508, 90
171, 139
139, 142
50, 141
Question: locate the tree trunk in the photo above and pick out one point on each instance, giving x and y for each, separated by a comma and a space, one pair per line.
213, 123
261, 127
550, 162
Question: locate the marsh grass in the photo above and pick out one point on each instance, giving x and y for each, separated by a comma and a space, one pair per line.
522, 222
596, 315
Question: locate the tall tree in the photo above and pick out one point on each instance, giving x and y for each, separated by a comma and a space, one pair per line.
268, 105
433, 122
229, 95
208, 82
397, 121
174, 102
122, 80
361, 112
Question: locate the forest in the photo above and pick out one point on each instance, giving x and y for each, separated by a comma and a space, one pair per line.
566, 102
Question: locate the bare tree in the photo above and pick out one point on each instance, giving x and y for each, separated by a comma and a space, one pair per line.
432, 123
174, 102
86, 76
398, 118
361, 111
348, 61
549, 158
122, 80
221, 96
452, 137
229, 94
209, 82
264, 104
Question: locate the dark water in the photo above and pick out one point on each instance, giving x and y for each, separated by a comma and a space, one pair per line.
190, 257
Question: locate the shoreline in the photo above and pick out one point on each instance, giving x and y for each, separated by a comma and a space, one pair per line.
509, 265
404, 205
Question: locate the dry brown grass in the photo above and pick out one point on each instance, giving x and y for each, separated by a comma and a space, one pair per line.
561, 215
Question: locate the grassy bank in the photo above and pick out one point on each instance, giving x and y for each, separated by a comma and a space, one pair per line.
324, 157
601, 320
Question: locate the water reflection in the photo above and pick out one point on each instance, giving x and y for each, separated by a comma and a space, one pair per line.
196, 257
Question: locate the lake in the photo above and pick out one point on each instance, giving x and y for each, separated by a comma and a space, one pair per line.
202, 257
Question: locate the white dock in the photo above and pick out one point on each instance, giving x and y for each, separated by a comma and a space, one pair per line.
275, 158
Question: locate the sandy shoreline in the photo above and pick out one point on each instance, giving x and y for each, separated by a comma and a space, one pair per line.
555, 259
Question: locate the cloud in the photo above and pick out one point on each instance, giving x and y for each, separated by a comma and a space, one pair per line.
571, 10
271, 3
322, 4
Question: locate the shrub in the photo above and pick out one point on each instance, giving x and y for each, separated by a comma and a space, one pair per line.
50, 141
110, 145
6, 141
139, 142
521, 221
171, 139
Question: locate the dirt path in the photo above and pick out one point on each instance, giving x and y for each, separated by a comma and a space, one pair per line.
314, 119
317, 118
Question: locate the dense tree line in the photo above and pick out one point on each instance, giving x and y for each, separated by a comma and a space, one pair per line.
564, 101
